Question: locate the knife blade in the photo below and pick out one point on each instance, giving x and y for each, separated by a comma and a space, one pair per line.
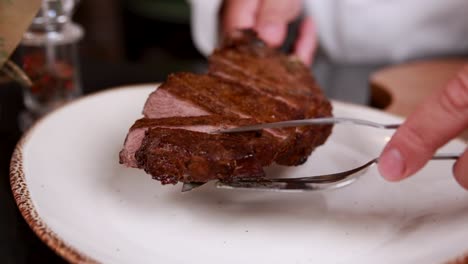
308, 122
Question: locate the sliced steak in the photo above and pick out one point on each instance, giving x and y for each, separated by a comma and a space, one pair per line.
247, 83
245, 60
173, 155
205, 124
213, 95
198, 95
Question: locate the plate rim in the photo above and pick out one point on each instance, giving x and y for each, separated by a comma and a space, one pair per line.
26, 206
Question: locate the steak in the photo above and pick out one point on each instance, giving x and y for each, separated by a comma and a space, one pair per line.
247, 83
246, 60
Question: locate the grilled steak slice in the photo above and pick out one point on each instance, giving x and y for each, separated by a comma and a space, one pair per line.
173, 155
211, 95
206, 94
204, 124
247, 83
245, 60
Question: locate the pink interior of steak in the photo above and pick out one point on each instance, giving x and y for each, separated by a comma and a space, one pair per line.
203, 124
162, 104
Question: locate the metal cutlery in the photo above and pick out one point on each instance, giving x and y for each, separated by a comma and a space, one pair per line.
312, 183
308, 122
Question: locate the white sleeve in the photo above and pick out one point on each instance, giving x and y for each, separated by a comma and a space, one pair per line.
370, 31
204, 24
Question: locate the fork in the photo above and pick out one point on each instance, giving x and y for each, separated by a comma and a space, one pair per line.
312, 183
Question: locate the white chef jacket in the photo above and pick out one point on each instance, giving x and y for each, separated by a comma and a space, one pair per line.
366, 31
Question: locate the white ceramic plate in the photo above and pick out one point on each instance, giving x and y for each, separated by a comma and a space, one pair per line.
78, 199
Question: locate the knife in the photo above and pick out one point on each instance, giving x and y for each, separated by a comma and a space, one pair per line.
308, 122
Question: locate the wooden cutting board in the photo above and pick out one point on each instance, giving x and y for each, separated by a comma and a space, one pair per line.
399, 89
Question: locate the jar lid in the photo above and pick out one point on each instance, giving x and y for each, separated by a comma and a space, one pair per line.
69, 33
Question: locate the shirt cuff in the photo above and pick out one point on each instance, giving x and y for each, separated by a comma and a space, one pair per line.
204, 24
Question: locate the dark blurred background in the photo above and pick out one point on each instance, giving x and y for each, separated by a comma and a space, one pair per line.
137, 41
136, 30
147, 38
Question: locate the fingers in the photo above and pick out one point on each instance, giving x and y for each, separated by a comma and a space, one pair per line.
273, 17
440, 118
306, 43
270, 18
239, 14
460, 170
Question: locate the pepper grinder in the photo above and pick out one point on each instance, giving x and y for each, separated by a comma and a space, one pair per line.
48, 55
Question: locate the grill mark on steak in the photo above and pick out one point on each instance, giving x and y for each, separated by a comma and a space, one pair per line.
220, 97
257, 74
237, 100
226, 98
275, 73
245, 82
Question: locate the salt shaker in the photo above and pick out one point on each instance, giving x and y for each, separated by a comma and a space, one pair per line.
48, 55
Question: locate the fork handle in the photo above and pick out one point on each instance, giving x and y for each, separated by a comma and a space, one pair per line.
446, 156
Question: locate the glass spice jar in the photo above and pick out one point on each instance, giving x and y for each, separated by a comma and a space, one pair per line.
48, 55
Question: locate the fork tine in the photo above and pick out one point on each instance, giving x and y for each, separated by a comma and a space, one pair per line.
284, 186
333, 177
188, 186
321, 182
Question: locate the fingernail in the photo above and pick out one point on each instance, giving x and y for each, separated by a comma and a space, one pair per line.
270, 32
392, 165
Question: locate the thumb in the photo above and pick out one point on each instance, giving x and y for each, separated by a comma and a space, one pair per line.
440, 118
460, 169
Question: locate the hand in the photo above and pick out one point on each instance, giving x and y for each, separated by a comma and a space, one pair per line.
270, 19
440, 118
